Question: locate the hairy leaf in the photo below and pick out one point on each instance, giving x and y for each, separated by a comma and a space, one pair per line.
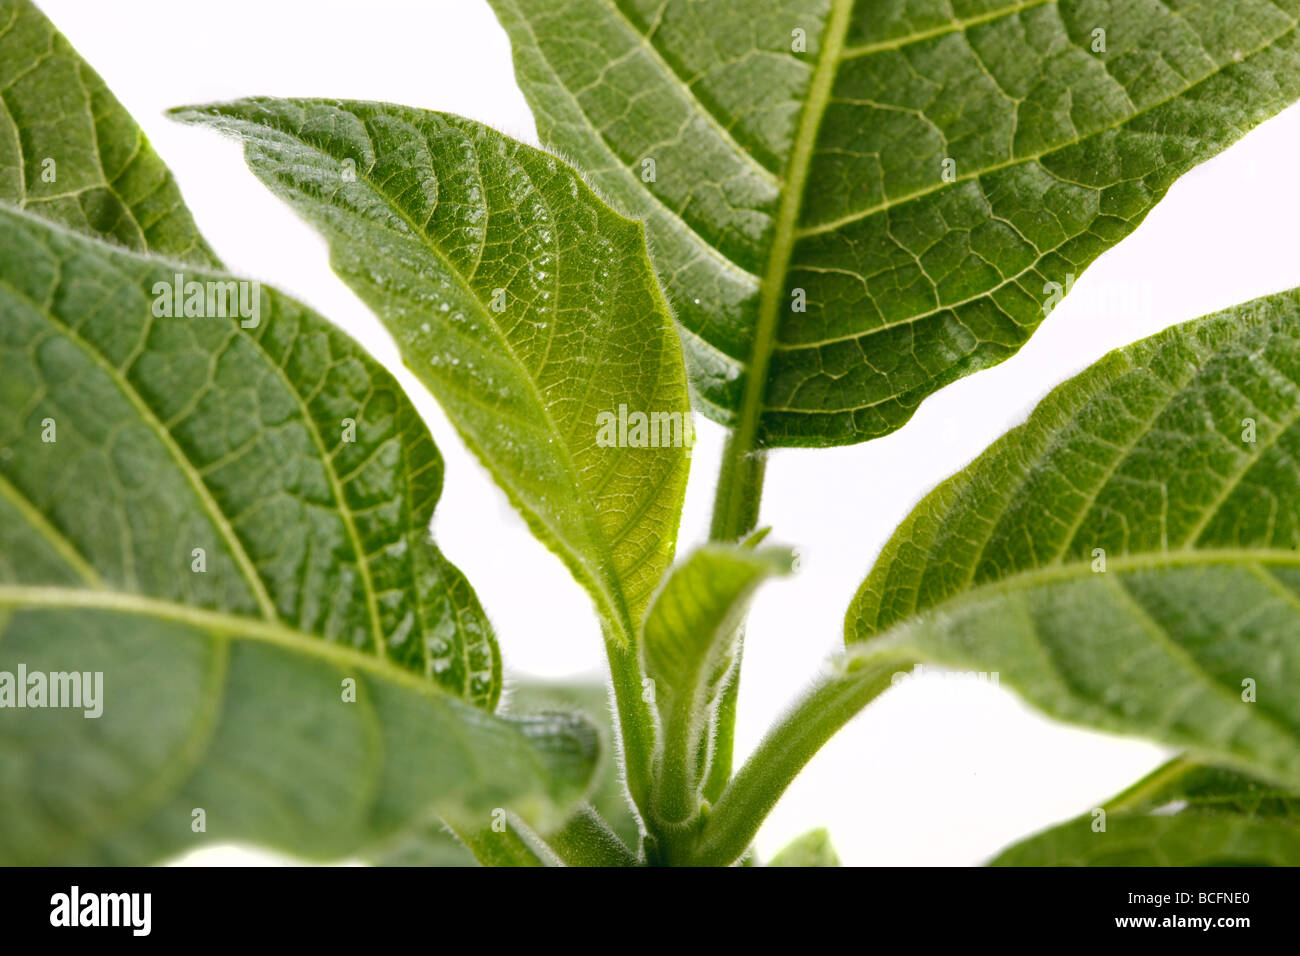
920, 175
1184, 814
527, 306
70, 153
693, 620
586, 839
1129, 558
228, 519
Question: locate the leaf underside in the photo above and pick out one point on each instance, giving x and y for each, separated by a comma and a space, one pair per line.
1184, 814
1129, 558
523, 302
824, 171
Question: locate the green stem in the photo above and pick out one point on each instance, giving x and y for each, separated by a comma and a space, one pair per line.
740, 481
676, 798
735, 513
785, 750
636, 723
724, 729
740, 487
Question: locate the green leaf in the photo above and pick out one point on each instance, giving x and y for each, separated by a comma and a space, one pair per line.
590, 701
1128, 558
690, 637
71, 154
586, 839
823, 169
1174, 464
811, 849
1184, 814
506, 845
183, 509
523, 302
599, 833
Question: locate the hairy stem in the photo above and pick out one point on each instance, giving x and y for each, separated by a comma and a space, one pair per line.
735, 513
788, 746
636, 723
676, 788
724, 728
740, 488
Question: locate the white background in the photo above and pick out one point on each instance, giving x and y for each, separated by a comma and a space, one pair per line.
934, 772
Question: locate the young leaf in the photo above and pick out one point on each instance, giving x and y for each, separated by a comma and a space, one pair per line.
1128, 559
689, 638
811, 849
227, 518
854, 203
527, 306
71, 154
1184, 814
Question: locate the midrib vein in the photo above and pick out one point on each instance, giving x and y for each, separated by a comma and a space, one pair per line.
772, 291
1148, 786
614, 597
186, 467
888, 204
1245, 558
218, 622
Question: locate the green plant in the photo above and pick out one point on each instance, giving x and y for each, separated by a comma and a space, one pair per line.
221, 502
